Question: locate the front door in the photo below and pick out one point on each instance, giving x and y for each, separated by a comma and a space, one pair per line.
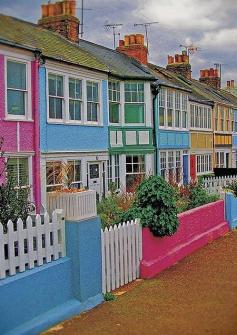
94, 177
185, 170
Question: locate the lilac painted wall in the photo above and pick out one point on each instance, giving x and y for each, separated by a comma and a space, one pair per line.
197, 227
23, 137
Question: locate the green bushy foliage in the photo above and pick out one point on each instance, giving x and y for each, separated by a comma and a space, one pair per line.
155, 205
109, 211
109, 296
14, 202
232, 187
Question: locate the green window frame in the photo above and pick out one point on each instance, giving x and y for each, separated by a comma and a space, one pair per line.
114, 102
56, 96
134, 107
17, 91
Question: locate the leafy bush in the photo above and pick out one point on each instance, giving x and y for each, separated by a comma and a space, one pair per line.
155, 205
109, 211
14, 201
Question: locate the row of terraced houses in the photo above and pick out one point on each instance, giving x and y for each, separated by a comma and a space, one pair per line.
110, 113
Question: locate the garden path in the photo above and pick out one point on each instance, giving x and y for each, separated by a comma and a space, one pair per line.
196, 296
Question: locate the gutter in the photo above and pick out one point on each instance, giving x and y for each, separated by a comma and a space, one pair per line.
155, 89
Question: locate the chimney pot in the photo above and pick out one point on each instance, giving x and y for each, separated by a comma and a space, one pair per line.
121, 43
133, 46
132, 39
126, 40
232, 83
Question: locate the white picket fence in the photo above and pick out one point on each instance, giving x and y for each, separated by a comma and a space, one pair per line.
76, 206
30, 244
121, 255
215, 185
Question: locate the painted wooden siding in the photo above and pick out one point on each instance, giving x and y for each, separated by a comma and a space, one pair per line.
201, 140
223, 139
173, 139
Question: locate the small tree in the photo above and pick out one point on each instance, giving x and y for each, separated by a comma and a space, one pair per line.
14, 200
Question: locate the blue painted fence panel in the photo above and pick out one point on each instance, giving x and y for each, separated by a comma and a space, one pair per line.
231, 210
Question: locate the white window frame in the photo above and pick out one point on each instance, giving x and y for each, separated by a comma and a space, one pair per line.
81, 100
203, 163
165, 163
201, 117
28, 98
181, 94
66, 116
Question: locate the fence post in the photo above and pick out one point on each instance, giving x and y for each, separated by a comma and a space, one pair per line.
83, 245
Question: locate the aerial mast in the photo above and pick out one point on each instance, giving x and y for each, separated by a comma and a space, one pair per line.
145, 25
113, 26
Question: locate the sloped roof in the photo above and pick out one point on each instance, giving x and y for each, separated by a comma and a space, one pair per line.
52, 45
119, 65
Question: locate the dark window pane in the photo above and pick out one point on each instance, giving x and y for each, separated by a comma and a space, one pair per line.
52, 84
16, 75
113, 113
16, 102
134, 113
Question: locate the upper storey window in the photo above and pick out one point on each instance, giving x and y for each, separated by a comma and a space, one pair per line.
114, 102
200, 117
56, 96
92, 101
17, 90
73, 100
173, 109
134, 103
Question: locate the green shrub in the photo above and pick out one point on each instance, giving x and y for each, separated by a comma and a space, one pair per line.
232, 187
155, 205
109, 296
14, 202
109, 211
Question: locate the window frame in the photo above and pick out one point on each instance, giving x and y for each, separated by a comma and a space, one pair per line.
29, 168
80, 100
28, 91
204, 163
201, 117
118, 101
55, 120
134, 103
97, 103
66, 115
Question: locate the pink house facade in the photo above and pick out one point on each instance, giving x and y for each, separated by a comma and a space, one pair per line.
19, 117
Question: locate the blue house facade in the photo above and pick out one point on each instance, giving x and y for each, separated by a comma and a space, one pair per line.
73, 126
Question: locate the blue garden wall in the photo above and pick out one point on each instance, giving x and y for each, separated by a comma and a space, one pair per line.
32, 301
63, 137
231, 210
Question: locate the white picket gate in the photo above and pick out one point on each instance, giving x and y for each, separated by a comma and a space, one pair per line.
32, 244
215, 185
121, 255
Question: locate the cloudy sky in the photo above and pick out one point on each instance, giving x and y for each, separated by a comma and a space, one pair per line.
210, 25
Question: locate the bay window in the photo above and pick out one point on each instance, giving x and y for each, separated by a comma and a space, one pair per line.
200, 117
17, 91
56, 96
171, 167
92, 101
134, 103
114, 102
75, 99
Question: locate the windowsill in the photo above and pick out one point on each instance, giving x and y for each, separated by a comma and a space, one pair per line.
17, 119
201, 129
173, 128
73, 123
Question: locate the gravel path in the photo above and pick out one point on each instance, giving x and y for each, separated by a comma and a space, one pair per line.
196, 296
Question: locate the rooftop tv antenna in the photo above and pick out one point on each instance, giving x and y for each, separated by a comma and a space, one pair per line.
190, 49
145, 25
113, 26
83, 9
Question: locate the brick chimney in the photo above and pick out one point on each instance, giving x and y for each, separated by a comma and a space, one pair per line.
179, 64
61, 18
133, 46
210, 77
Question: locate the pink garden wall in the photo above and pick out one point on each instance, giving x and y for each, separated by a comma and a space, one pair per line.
22, 137
197, 227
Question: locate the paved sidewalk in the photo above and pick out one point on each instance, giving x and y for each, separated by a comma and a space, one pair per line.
196, 296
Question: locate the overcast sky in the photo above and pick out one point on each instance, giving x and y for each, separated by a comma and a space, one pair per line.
209, 24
